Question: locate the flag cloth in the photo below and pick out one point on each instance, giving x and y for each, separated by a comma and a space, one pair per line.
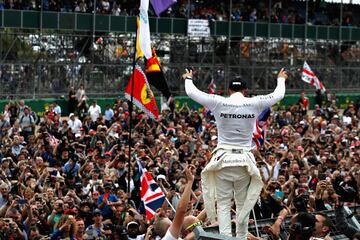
53, 141
309, 77
212, 87
139, 53
161, 5
156, 76
261, 125
150, 193
144, 32
143, 96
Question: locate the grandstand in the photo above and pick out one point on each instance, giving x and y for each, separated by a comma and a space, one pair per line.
43, 53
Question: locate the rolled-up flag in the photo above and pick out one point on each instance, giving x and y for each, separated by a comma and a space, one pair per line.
259, 133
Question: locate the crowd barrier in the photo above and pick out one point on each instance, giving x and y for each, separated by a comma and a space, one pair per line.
41, 105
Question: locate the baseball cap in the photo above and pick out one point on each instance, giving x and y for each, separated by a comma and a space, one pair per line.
5, 159
70, 212
71, 114
107, 185
237, 84
132, 223
97, 211
161, 176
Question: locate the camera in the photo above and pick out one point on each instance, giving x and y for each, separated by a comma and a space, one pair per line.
301, 202
347, 193
131, 213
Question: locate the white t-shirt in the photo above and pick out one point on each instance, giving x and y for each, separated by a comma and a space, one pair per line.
75, 125
235, 115
94, 112
138, 237
346, 120
169, 236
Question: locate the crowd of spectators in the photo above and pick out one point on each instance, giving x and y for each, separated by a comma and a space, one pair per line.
292, 12
67, 176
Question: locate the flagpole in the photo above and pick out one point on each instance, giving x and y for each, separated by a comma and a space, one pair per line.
130, 114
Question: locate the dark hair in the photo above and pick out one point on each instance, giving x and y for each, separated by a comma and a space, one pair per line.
237, 84
327, 222
303, 227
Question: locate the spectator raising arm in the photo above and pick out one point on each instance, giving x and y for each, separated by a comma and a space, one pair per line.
176, 225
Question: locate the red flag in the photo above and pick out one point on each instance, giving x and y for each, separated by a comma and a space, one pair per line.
212, 87
143, 96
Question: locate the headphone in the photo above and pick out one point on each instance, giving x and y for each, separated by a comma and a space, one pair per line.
304, 232
299, 228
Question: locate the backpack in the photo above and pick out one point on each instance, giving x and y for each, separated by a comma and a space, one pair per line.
22, 117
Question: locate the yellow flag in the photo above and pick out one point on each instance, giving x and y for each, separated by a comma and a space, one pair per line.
139, 53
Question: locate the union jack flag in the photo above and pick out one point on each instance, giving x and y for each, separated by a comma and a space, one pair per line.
309, 76
260, 128
150, 193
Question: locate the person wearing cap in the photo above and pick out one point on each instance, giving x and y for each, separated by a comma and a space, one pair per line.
232, 171
108, 201
74, 123
133, 231
95, 230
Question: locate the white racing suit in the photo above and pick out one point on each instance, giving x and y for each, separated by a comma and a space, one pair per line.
232, 172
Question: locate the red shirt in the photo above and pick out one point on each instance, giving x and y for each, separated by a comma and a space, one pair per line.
305, 102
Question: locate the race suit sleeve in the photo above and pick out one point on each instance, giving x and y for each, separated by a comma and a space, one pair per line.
265, 101
208, 100
342, 223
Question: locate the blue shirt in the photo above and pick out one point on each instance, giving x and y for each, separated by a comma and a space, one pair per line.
74, 169
16, 149
57, 110
49, 158
106, 209
109, 113
58, 235
94, 232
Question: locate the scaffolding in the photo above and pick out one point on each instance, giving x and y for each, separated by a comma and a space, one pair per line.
44, 58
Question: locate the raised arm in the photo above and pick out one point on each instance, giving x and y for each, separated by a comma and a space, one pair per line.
208, 100
176, 225
278, 94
